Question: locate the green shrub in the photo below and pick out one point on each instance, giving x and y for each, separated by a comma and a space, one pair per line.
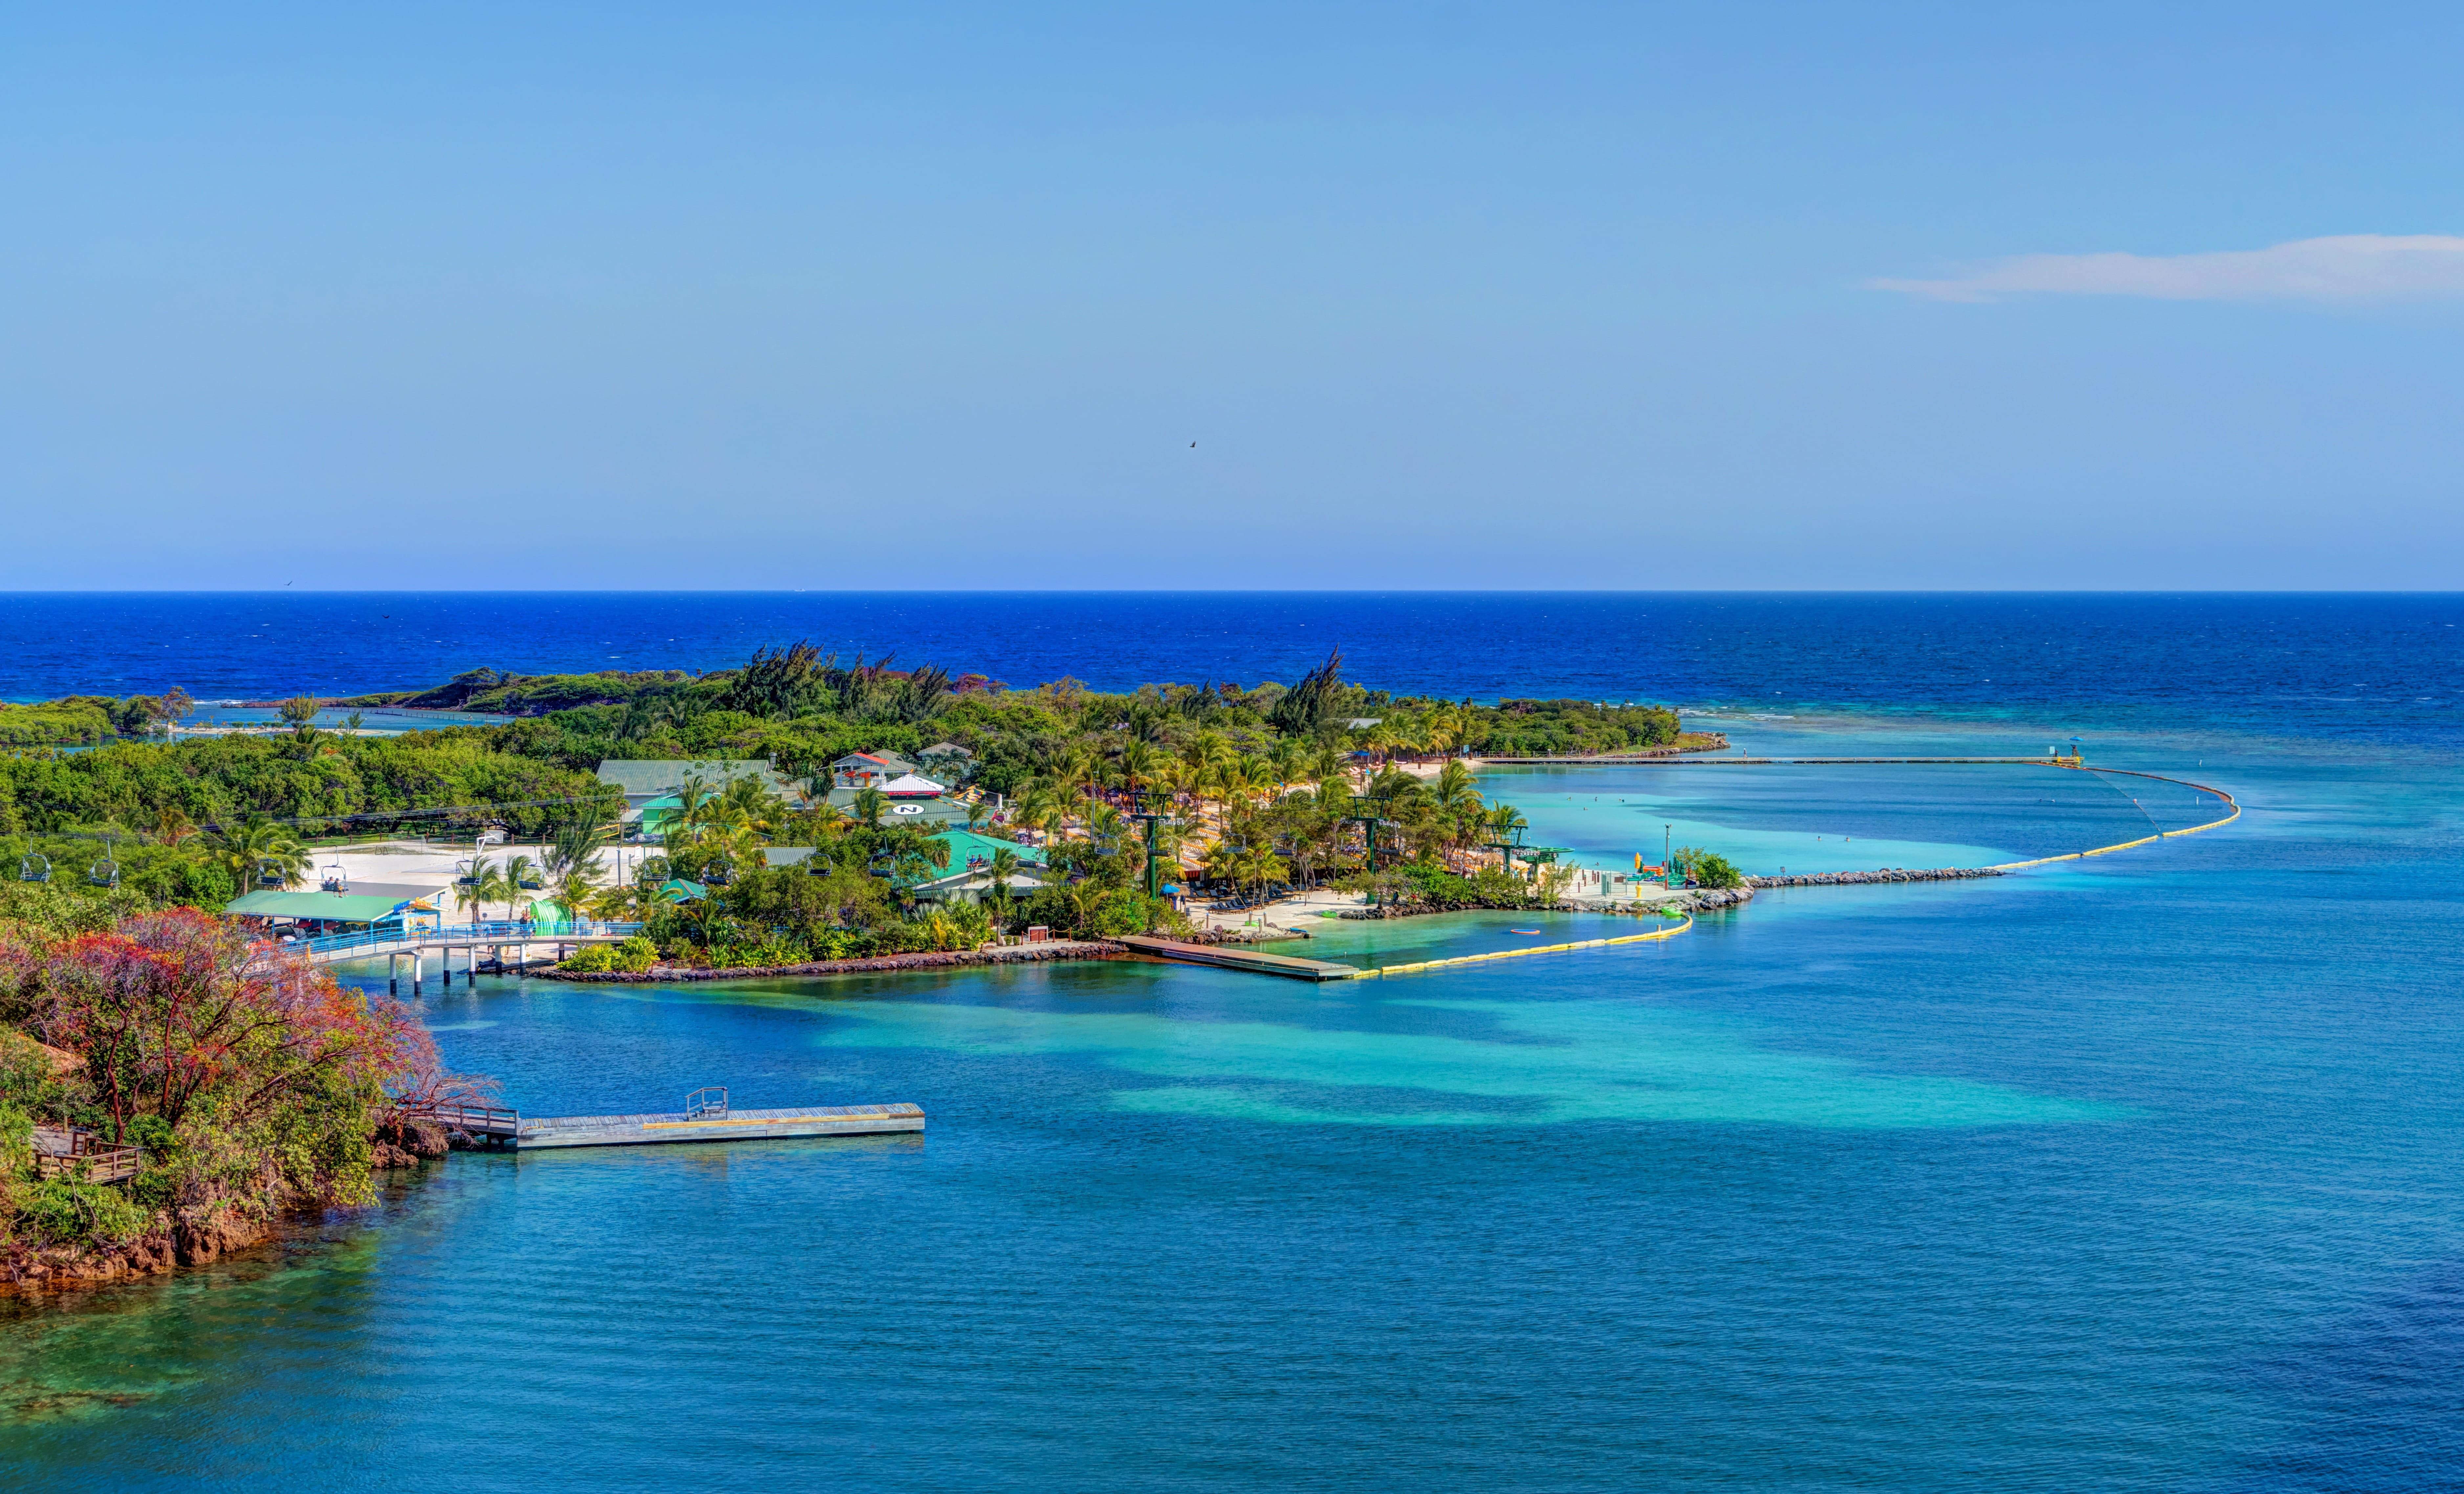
635, 955
60, 1209
1709, 868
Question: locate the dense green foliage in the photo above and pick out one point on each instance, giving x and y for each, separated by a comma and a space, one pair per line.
190, 823
1707, 868
527, 694
303, 776
253, 1084
805, 710
75, 720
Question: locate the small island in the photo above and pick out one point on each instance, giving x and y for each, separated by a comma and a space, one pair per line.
176, 1072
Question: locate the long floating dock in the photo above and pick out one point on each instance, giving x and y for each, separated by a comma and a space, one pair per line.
635, 1130
1230, 957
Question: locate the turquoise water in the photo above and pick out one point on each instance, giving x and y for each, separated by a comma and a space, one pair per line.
2132, 1173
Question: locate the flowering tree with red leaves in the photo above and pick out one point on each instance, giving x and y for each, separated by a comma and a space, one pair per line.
174, 1008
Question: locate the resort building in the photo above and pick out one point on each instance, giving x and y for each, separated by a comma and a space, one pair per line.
868, 769
912, 800
947, 762
968, 878
364, 906
651, 784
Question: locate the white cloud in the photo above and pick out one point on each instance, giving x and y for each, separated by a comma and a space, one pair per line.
2348, 267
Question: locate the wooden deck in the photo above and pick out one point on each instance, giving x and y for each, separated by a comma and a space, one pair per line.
83, 1155
736, 1125
1234, 957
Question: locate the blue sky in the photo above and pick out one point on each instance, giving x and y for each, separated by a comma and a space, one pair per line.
1619, 297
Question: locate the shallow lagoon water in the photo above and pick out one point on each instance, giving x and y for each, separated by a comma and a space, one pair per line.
2139, 1174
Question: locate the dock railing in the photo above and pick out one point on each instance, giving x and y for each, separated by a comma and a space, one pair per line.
507, 929
83, 1155
478, 1120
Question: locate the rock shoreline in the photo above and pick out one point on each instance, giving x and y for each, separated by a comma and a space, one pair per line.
196, 1236
944, 959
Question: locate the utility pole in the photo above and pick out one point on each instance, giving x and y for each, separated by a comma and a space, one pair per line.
1369, 818
1667, 872
1151, 819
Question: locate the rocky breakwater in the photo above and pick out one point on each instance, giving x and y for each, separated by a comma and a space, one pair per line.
1005, 955
1877, 875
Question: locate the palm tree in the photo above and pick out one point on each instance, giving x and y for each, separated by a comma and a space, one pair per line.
173, 826
868, 806
693, 801
1068, 802
256, 844
1005, 866
1138, 760
1033, 807
571, 854
1457, 801
1457, 788
1259, 865
1288, 758
1073, 765
477, 888
519, 874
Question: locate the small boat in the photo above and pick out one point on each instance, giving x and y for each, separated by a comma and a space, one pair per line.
1522, 931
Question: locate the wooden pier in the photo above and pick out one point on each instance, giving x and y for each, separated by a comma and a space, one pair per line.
705, 1117
1230, 957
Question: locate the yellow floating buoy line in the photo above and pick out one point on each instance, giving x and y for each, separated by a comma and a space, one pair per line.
1544, 948
2145, 840
2074, 764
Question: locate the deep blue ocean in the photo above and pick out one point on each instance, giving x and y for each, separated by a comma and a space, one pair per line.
2141, 1172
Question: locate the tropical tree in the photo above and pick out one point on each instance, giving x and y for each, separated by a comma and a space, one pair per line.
870, 804
480, 886
172, 825
1033, 806
1068, 802
1503, 822
1288, 759
692, 802
1259, 866
571, 854
754, 799
257, 845
1139, 760
519, 874
1005, 866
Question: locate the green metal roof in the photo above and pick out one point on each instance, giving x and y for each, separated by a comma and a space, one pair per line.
637, 776
342, 907
965, 844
